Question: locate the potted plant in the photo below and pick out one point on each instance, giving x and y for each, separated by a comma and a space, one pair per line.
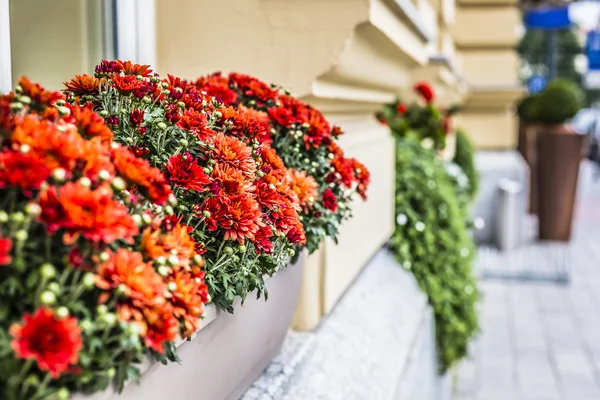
559, 154
528, 110
233, 190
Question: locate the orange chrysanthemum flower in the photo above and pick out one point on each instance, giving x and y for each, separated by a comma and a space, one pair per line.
184, 171
59, 145
90, 124
138, 172
83, 85
144, 290
230, 181
25, 171
239, 216
156, 243
54, 343
93, 214
197, 123
231, 151
126, 83
37, 93
304, 186
128, 68
188, 300
270, 157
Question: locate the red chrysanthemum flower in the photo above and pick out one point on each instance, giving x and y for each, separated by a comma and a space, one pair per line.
139, 173
139, 151
252, 87
93, 214
54, 343
281, 115
184, 171
239, 216
426, 91
196, 123
5, 248
262, 240
25, 171
136, 117
217, 85
160, 244
82, 85
188, 299
400, 108
126, 83
329, 200
362, 177
231, 151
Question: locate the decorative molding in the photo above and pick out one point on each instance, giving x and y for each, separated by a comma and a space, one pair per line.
481, 97
5, 57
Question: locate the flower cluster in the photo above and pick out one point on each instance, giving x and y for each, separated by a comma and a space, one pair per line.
92, 275
231, 186
422, 120
323, 178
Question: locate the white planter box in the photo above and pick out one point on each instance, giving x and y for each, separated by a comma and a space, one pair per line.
227, 354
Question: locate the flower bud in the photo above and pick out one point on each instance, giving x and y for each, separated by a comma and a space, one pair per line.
86, 325
292, 252
306, 161
110, 373
228, 250
104, 113
172, 200
161, 126
24, 149
172, 286
21, 235
242, 249
3, 216
62, 312
161, 260
89, 280
146, 218
48, 271
109, 318
63, 394
163, 271
102, 309
17, 217
33, 209
104, 175
118, 183
183, 142
47, 298
206, 214
169, 210
104, 256
27, 100
137, 218
85, 181
173, 260
54, 287
59, 174
63, 110
217, 114
198, 259
260, 174
147, 100
16, 106
206, 170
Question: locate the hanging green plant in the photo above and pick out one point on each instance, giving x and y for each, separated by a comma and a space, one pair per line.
432, 240
465, 159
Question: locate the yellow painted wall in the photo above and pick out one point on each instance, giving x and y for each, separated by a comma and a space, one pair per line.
51, 41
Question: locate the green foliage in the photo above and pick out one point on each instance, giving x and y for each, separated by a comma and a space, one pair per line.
528, 108
465, 159
431, 239
415, 122
559, 102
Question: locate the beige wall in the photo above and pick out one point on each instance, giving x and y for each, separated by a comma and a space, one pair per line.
491, 130
486, 26
490, 66
51, 41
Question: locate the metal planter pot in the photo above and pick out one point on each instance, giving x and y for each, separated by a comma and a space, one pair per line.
227, 354
558, 159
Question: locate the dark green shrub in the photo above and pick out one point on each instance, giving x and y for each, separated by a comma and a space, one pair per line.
559, 102
431, 239
528, 108
465, 159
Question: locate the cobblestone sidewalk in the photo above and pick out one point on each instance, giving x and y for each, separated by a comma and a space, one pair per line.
541, 341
